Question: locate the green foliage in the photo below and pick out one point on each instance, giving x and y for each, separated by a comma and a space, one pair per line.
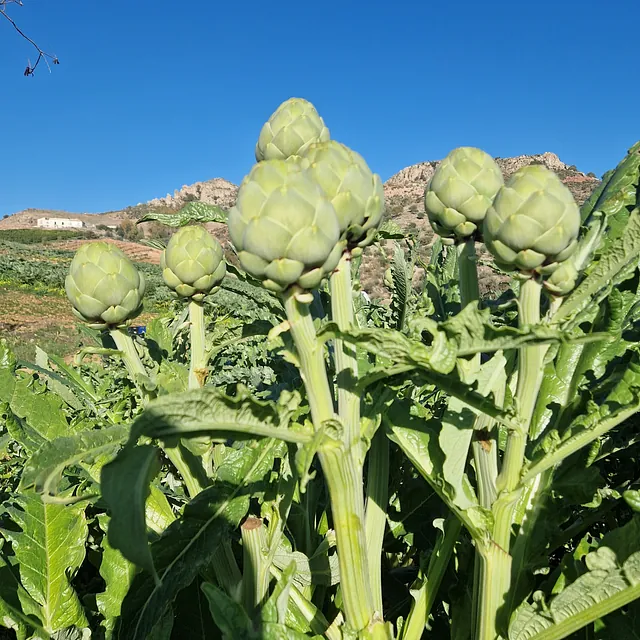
39, 236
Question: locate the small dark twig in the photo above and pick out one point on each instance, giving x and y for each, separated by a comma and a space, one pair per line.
42, 55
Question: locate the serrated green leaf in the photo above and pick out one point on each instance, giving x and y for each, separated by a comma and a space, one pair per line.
210, 411
200, 212
612, 581
49, 549
606, 273
44, 468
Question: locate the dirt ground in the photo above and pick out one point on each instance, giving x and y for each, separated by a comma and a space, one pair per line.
27, 320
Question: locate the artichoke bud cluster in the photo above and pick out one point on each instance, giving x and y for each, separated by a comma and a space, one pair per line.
193, 263
533, 225
103, 285
292, 128
460, 193
306, 201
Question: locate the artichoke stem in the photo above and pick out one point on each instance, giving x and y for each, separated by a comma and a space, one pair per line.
342, 473
468, 272
198, 368
376, 511
131, 359
255, 568
345, 354
485, 452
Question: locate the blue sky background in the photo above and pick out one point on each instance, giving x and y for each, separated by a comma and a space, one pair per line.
154, 94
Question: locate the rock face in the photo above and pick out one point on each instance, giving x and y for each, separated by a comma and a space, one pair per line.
407, 186
217, 191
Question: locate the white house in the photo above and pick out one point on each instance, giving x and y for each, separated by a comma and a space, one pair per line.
60, 223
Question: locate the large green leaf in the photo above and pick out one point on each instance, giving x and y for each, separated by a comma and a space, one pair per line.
611, 582
45, 466
7, 372
209, 411
49, 548
192, 212
125, 488
418, 438
117, 573
607, 272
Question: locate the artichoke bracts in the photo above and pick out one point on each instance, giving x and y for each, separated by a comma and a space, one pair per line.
533, 226
284, 227
460, 192
193, 263
355, 192
103, 285
293, 126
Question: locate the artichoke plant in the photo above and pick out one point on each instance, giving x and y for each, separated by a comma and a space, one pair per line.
193, 263
284, 228
293, 126
461, 191
355, 192
104, 286
533, 223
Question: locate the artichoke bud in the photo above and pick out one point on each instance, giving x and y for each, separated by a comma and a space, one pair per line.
355, 192
293, 126
283, 226
533, 223
460, 192
104, 286
193, 263
562, 280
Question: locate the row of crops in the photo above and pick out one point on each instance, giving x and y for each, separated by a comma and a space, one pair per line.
278, 456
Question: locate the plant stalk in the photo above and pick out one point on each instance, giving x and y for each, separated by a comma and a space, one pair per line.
341, 472
496, 561
198, 367
255, 568
376, 511
345, 354
485, 452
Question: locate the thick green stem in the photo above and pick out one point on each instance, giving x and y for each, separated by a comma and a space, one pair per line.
131, 359
468, 272
255, 568
495, 565
496, 561
341, 472
529, 379
198, 368
485, 451
345, 354
376, 511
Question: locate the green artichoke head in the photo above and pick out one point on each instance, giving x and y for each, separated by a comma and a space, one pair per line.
193, 263
103, 286
533, 223
284, 227
293, 126
355, 192
461, 191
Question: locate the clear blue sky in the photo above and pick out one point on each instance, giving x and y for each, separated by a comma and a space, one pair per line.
154, 94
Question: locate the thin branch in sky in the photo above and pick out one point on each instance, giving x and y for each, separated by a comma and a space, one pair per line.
42, 55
